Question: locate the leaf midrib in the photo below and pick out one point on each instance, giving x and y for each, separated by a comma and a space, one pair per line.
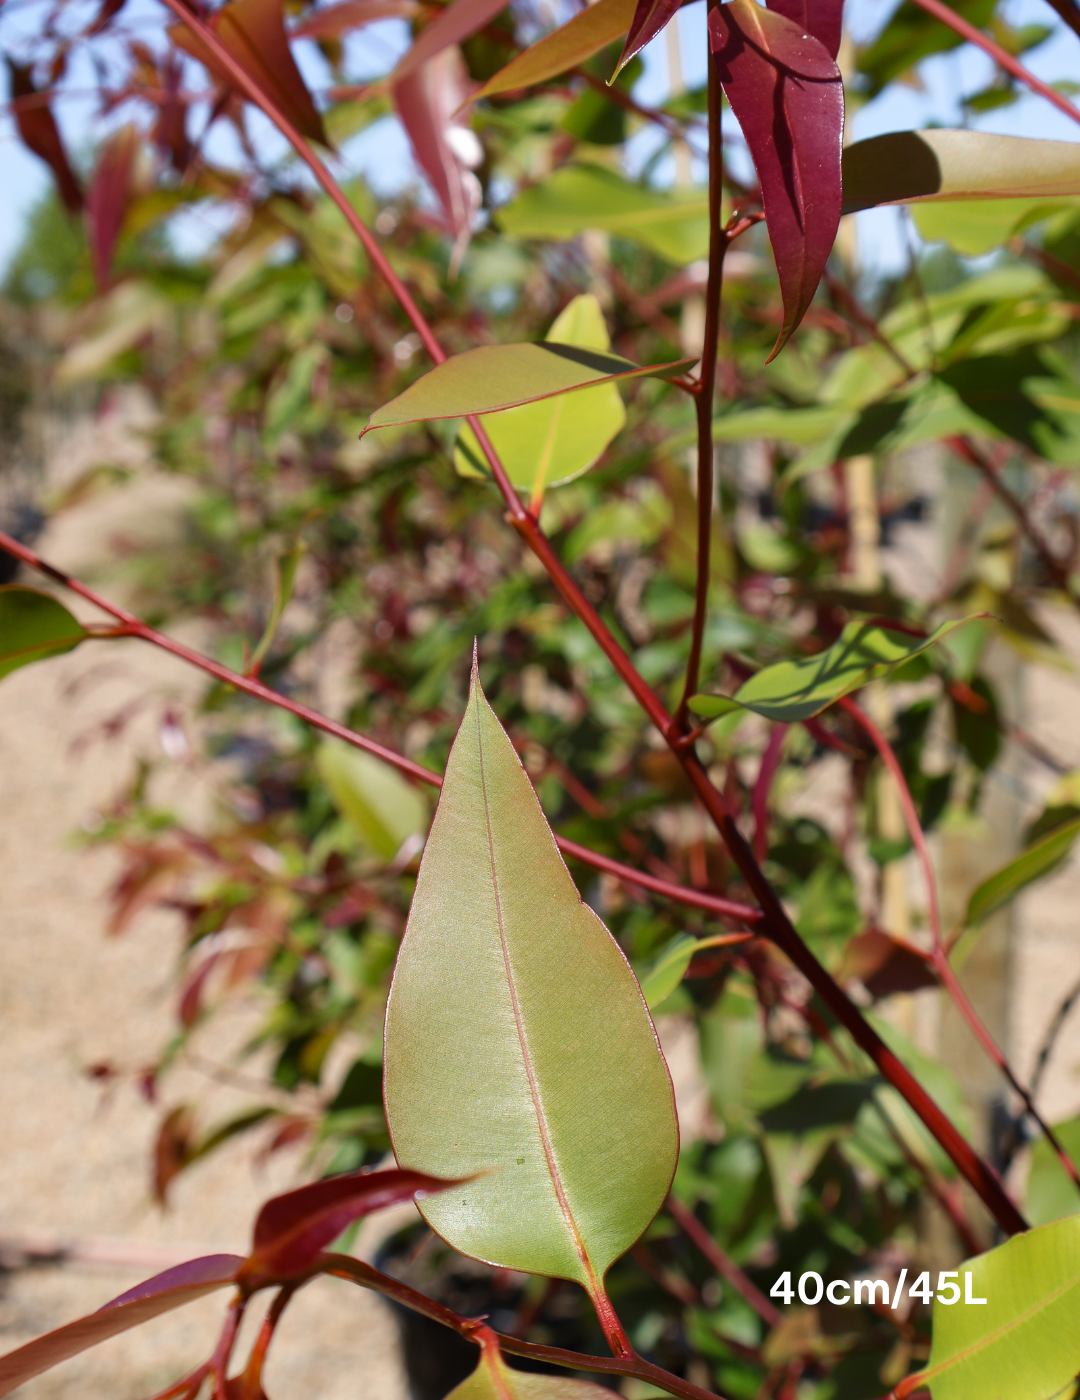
530, 1070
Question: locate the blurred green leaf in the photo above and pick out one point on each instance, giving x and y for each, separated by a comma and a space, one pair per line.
1038, 860
33, 626
1051, 1193
795, 690
384, 809
673, 223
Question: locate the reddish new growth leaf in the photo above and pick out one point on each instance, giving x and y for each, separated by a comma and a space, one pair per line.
788, 96
291, 1231
352, 14
253, 31
157, 1295
824, 19
649, 18
170, 129
459, 21
445, 149
38, 129
108, 197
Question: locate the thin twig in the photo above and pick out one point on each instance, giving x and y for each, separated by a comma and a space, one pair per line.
725, 1266
939, 958
706, 393
1003, 59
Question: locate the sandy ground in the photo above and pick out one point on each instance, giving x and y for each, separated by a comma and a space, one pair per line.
74, 1160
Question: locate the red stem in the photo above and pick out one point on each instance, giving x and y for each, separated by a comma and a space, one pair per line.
966, 30
728, 1270
132, 626
938, 956
780, 928
356, 1271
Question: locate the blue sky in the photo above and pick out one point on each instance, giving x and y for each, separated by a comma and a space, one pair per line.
382, 155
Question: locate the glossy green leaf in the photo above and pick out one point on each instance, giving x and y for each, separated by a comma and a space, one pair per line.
673, 223
383, 808
33, 626
518, 1045
1023, 1343
493, 1379
552, 441
1051, 1193
792, 691
903, 166
494, 377
574, 42
1039, 858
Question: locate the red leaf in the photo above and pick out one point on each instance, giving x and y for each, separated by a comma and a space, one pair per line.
458, 22
253, 31
788, 96
105, 16
292, 1230
426, 101
885, 965
157, 1295
38, 129
649, 18
173, 1148
108, 198
352, 14
824, 19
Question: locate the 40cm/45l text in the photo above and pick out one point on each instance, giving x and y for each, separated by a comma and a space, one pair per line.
812, 1288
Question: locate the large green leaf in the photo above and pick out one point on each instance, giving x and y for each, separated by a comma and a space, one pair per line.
378, 803
1051, 1193
1039, 858
494, 377
552, 441
33, 626
581, 37
493, 1379
518, 1044
673, 223
902, 166
792, 691
1023, 1343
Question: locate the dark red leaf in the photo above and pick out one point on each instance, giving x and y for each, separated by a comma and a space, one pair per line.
426, 101
291, 1231
108, 197
458, 22
884, 965
788, 96
649, 18
824, 19
173, 1148
253, 31
38, 129
352, 14
157, 1295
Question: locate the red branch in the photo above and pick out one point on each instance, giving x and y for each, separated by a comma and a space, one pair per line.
728, 1270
